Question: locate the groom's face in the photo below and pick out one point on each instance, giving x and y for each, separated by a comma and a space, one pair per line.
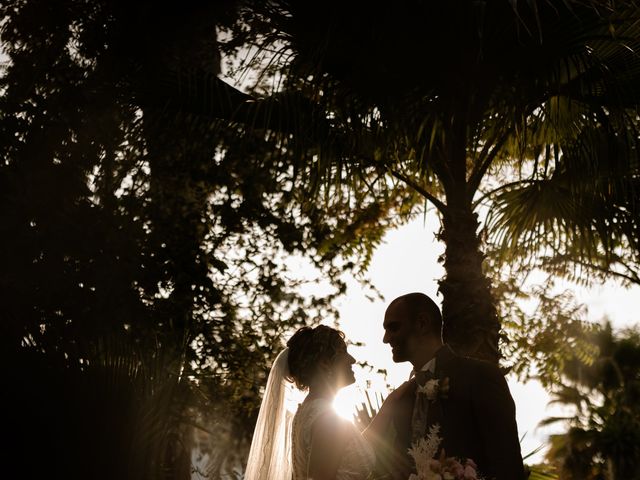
400, 332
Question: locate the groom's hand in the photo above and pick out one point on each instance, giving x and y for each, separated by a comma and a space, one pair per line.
376, 431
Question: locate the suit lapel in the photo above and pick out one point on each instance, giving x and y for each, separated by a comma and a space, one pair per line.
436, 411
435, 415
395, 459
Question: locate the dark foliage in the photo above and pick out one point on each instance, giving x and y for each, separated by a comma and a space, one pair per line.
148, 255
603, 440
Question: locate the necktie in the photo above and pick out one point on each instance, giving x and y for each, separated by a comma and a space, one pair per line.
420, 407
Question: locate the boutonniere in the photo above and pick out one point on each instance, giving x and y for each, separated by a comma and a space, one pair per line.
435, 388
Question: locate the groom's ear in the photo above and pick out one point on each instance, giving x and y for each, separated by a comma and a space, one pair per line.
422, 325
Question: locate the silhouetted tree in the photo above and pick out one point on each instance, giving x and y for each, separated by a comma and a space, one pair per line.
148, 256
451, 99
603, 440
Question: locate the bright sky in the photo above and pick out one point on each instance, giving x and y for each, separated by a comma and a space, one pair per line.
407, 262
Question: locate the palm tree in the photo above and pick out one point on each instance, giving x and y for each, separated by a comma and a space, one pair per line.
581, 218
448, 99
603, 440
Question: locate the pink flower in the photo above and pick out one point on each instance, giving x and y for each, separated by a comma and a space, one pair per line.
469, 462
458, 470
470, 473
453, 466
435, 466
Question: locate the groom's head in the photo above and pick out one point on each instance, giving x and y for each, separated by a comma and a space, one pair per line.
412, 323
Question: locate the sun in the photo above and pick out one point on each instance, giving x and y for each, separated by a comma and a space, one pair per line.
345, 403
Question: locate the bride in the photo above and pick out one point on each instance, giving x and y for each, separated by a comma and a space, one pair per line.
315, 443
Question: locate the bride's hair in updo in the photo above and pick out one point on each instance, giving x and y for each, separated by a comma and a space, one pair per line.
308, 347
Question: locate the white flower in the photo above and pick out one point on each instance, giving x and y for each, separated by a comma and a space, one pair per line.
428, 467
430, 389
424, 450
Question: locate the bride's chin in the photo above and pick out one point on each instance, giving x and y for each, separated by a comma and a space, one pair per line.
346, 381
351, 379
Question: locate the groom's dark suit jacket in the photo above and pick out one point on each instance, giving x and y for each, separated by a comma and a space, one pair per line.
477, 420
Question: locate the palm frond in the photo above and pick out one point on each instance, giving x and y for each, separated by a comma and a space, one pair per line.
541, 473
551, 420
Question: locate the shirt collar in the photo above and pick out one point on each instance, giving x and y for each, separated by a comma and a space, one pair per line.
430, 366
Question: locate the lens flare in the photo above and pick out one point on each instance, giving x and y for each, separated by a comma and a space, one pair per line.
345, 403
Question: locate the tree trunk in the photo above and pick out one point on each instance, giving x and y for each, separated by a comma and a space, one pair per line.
471, 323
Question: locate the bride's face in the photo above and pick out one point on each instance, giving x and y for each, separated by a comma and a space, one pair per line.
341, 367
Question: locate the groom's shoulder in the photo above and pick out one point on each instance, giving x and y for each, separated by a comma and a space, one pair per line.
477, 367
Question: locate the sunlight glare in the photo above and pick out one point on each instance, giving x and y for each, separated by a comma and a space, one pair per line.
345, 403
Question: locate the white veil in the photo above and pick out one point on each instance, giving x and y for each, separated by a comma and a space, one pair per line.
270, 454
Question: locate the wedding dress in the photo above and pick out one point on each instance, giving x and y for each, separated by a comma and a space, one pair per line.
281, 444
358, 459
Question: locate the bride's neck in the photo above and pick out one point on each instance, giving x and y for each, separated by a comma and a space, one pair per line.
321, 391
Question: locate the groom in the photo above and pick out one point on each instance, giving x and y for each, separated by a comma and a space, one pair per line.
471, 404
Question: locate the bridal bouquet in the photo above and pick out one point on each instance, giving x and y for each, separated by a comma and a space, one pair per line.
429, 467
